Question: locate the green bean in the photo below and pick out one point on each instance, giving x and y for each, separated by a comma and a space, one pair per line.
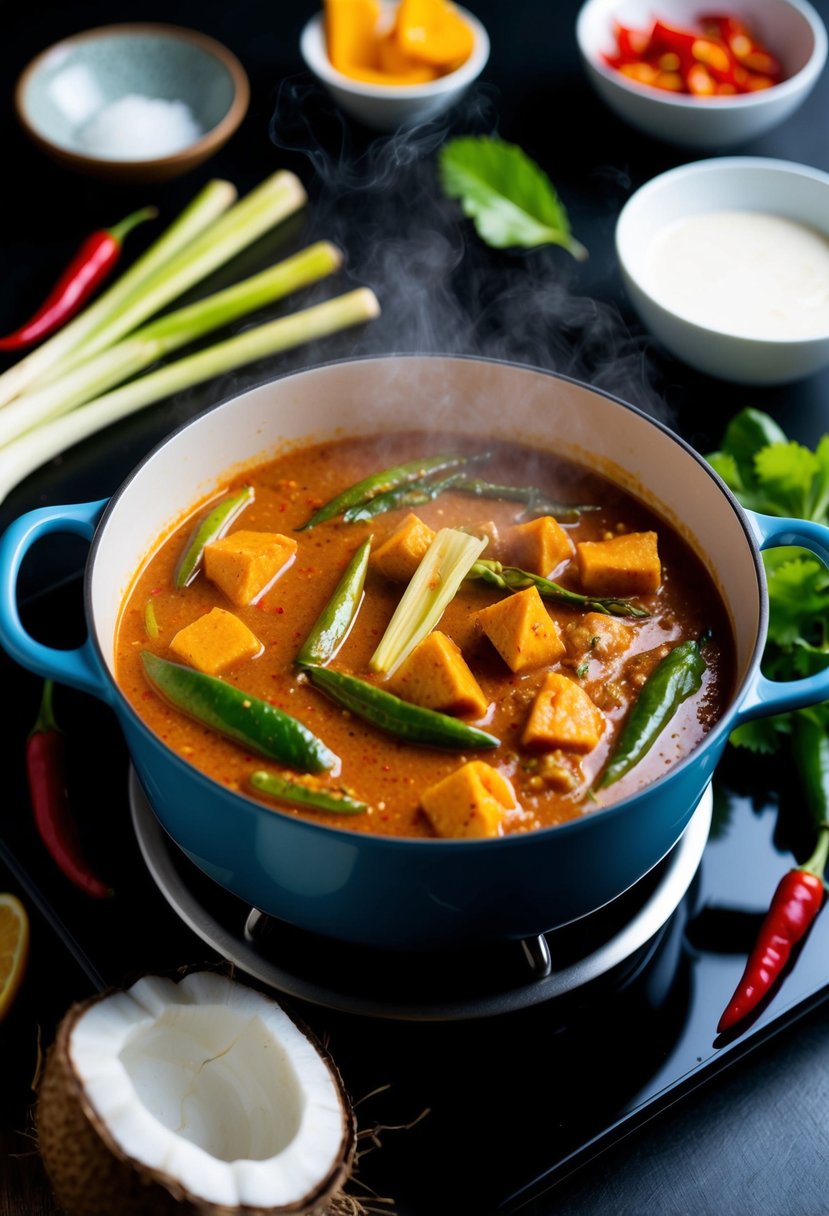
510, 578
210, 528
395, 716
334, 802
332, 626
412, 495
363, 491
238, 715
536, 502
150, 620
672, 681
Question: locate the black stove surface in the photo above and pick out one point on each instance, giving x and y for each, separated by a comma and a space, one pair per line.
552, 1085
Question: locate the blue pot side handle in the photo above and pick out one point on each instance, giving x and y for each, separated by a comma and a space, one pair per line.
79, 668
766, 696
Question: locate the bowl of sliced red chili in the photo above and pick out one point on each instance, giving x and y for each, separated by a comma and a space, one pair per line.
697, 76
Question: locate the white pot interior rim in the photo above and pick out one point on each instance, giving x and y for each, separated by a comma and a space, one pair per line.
112, 562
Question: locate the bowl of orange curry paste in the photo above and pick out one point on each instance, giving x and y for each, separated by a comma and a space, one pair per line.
399, 666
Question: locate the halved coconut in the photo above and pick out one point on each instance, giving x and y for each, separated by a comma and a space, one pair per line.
200, 1095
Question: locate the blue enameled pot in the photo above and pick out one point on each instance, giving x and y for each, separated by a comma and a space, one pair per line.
373, 889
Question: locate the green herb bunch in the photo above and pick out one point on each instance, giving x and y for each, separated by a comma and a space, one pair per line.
772, 474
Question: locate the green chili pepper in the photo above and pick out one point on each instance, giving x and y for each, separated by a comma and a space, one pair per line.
397, 717
671, 682
334, 622
150, 620
536, 502
238, 716
212, 527
379, 483
510, 578
810, 750
335, 802
412, 495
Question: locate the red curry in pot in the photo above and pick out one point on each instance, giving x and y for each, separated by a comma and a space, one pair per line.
602, 662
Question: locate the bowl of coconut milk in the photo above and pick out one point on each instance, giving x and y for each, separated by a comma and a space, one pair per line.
726, 262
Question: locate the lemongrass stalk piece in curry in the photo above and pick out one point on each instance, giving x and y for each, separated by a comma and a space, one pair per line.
444, 566
238, 715
510, 578
380, 483
160, 338
211, 527
397, 717
206, 207
333, 625
295, 793
19, 458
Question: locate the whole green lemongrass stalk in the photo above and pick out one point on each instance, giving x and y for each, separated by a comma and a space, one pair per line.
152, 342
207, 206
19, 458
279, 196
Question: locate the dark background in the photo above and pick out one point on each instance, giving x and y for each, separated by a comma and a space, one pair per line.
755, 1139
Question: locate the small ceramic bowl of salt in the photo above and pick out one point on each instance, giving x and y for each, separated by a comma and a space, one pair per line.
133, 103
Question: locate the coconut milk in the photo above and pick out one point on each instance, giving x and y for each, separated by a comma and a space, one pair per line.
748, 273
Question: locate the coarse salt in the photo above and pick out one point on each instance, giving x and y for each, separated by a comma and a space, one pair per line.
138, 128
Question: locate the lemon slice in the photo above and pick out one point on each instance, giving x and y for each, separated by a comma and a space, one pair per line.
14, 948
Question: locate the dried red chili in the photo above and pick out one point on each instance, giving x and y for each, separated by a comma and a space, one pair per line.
796, 903
54, 820
87, 270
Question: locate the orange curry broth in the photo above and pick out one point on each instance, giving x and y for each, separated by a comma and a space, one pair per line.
387, 773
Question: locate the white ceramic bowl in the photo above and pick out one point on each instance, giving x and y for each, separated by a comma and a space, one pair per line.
791, 29
386, 107
783, 188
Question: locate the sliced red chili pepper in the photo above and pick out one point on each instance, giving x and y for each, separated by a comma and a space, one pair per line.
87, 270
797, 901
632, 44
55, 823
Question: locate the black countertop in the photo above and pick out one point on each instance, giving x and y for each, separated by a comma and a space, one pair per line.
753, 1139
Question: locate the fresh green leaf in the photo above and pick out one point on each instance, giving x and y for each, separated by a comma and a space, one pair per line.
762, 735
798, 598
507, 195
787, 472
748, 433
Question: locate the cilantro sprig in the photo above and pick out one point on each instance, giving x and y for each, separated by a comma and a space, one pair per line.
772, 474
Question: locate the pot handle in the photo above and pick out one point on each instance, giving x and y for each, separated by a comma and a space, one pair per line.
766, 696
79, 668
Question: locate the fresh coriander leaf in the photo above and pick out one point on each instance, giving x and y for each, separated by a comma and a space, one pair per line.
787, 472
762, 735
727, 467
820, 490
748, 433
507, 195
798, 599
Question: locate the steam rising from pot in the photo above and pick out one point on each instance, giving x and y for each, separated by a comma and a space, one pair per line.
441, 289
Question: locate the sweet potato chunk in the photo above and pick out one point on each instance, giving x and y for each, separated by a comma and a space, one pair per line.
215, 642
472, 801
351, 34
540, 546
522, 630
244, 564
562, 716
399, 556
597, 635
434, 32
626, 565
436, 676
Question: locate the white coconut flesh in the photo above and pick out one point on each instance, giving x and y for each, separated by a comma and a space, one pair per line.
210, 1083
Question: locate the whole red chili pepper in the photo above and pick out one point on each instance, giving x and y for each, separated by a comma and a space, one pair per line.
89, 267
45, 770
796, 903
